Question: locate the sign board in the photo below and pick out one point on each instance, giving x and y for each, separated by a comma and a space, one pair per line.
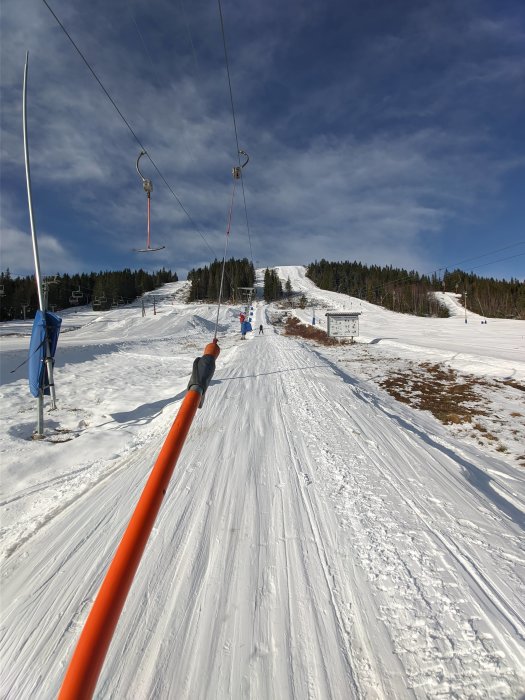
341, 325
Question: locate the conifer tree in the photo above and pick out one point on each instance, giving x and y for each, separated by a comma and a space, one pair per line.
409, 292
67, 290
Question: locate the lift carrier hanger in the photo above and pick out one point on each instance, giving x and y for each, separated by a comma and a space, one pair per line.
148, 189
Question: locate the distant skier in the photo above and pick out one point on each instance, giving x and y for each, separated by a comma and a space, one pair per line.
261, 329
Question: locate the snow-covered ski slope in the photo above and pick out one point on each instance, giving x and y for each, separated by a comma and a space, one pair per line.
492, 349
318, 538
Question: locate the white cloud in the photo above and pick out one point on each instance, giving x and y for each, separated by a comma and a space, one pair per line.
374, 160
17, 254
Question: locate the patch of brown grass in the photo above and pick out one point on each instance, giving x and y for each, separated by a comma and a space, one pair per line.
514, 384
294, 327
438, 389
457, 399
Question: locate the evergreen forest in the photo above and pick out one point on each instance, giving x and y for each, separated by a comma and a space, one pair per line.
206, 281
103, 290
408, 292
273, 288
405, 291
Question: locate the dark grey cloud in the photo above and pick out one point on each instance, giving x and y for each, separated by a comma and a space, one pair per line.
389, 133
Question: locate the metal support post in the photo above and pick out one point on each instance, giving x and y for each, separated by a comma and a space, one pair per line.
41, 302
39, 433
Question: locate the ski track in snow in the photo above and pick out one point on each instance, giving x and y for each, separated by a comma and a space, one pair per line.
317, 540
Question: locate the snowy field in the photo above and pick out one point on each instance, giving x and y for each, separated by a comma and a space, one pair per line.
319, 539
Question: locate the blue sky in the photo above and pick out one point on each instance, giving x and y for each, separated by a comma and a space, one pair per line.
389, 132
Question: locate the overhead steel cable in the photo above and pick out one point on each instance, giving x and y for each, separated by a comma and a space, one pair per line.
407, 279
402, 280
493, 262
137, 139
239, 150
484, 255
227, 237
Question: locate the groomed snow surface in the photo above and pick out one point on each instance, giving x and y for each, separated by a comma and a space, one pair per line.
318, 539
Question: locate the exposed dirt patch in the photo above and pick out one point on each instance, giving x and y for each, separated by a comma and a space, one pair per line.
294, 327
462, 401
438, 389
514, 384
487, 411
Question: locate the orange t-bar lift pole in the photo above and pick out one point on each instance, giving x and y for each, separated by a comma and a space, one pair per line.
85, 666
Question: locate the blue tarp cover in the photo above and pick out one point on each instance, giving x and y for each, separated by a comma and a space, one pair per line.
44, 321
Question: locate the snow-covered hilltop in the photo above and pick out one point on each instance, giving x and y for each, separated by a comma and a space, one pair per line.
319, 538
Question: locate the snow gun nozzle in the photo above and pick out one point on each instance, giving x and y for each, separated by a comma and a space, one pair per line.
212, 348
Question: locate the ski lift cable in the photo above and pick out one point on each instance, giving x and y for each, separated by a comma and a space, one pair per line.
484, 255
239, 150
137, 139
477, 257
408, 279
194, 53
493, 262
140, 35
227, 237
190, 153
237, 175
189, 217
